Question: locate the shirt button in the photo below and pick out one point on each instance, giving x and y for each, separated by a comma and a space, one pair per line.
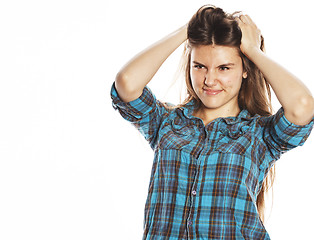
189, 223
193, 192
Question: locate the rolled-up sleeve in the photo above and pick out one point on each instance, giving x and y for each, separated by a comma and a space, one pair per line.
145, 113
280, 135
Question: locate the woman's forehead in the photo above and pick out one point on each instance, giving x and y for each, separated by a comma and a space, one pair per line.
212, 53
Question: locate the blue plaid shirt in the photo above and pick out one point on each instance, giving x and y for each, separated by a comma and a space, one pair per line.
205, 179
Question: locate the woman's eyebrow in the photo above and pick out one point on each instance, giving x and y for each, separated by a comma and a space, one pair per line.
221, 65
226, 65
195, 62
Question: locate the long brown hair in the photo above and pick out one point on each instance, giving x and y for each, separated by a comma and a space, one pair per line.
211, 25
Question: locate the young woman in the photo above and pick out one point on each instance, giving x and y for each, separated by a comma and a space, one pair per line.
214, 151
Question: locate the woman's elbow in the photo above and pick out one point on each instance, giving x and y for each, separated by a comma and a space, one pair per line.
126, 88
122, 79
304, 110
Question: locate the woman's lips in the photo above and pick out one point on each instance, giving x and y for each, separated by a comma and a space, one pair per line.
212, 91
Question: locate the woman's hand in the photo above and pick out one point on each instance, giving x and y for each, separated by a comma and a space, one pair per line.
294, 96
251, 35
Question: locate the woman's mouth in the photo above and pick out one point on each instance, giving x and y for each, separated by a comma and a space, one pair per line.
212, 91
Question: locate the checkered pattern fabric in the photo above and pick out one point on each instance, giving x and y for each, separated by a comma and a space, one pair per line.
205, 179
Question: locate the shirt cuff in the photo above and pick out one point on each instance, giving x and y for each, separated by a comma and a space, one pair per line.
294, 134
136, 108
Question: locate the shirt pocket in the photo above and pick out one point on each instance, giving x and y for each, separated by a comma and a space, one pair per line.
236, 142
235, 153
175, 135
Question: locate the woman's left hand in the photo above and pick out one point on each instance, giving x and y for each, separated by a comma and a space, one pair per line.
251, 35
295, 98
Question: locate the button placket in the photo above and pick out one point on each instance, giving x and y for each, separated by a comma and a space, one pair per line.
199, 161
190, 218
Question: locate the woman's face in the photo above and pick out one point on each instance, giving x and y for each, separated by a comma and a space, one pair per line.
216, 74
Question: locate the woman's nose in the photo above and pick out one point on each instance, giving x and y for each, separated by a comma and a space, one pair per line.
210, 79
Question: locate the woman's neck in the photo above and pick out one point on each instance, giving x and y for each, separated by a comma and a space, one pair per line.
208, 114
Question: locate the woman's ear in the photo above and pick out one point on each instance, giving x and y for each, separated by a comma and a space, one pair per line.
244, 75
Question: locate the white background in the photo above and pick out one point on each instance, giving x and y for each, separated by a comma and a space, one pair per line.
70, 166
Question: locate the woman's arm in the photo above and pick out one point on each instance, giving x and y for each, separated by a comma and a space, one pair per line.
294, 96
137, 73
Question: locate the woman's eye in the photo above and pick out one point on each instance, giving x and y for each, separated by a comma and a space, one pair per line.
223, 68
198, 66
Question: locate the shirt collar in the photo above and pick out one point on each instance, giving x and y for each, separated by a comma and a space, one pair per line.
190, 106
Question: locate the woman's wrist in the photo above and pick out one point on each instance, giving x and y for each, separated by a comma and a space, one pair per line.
253, 53
184, 31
